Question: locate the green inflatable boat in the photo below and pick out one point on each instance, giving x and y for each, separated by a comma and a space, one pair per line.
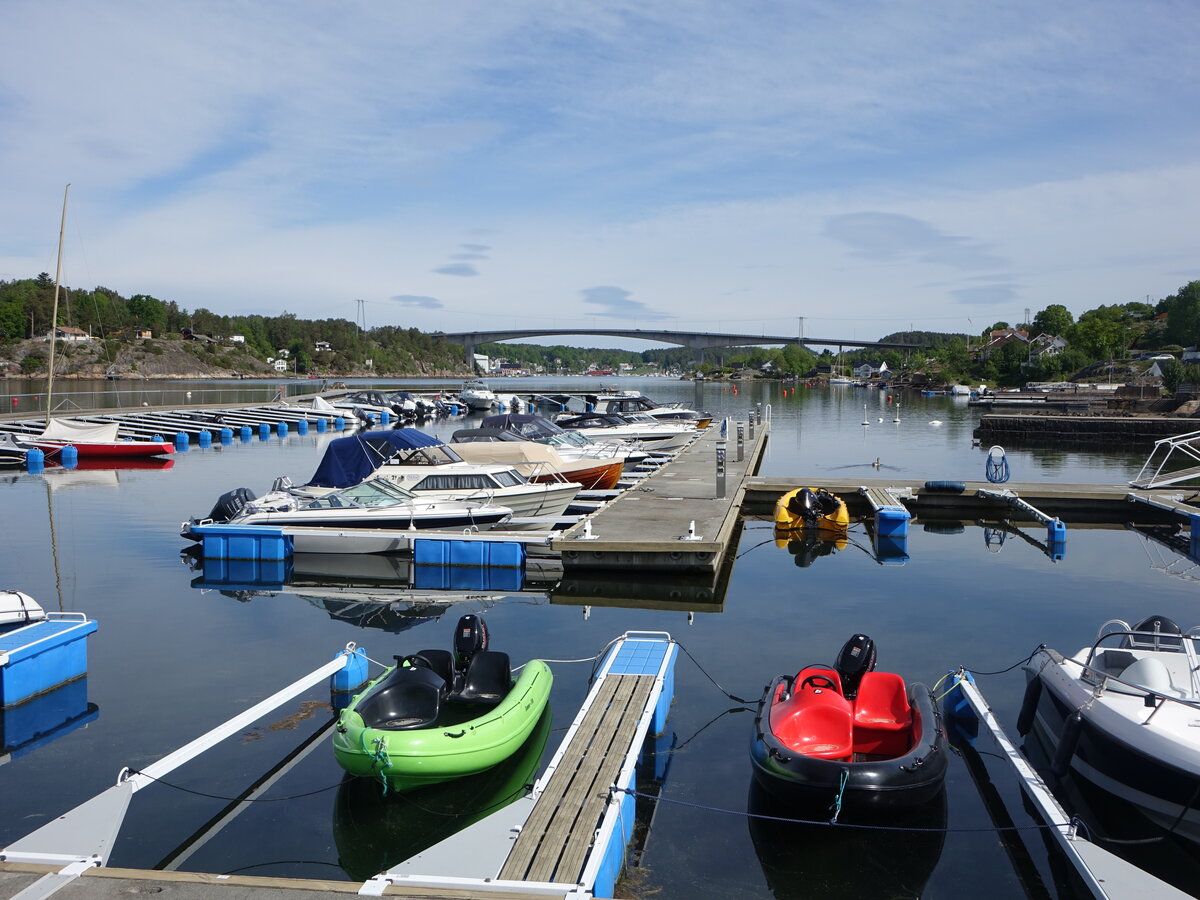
437, 715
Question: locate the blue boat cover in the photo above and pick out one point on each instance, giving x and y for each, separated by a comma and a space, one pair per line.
350, 460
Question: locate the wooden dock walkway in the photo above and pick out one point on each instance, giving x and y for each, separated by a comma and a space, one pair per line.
677, 519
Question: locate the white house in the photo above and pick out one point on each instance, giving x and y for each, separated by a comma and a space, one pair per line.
237, 338
869, 369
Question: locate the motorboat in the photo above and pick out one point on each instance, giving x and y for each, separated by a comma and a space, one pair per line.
633, 428
813, 509
438, 715
353, 415
1122, 714
17, 609
845, 736
13, 450
625, 403
376, 503
537, 462
420, 463
569, 444
477, 395
94, 440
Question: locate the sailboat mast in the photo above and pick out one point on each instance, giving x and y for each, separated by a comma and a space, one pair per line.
62, 227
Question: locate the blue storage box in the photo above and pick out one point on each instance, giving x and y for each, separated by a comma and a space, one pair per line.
244, 574
39, 657
467, 578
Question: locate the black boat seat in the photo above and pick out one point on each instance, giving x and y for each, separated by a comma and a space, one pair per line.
410, 697
442, 662
488, 678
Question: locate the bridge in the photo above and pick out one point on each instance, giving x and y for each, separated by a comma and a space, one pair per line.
697, 340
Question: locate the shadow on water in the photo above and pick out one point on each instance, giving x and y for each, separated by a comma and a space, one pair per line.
800, 860
374, 830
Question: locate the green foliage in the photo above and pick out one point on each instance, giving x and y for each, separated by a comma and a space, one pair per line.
1055, 320
33, 363
1173, 374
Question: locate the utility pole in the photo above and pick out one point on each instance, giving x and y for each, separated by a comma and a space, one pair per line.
361, 319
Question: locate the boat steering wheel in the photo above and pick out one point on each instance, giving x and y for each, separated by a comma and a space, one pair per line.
819, 682
417, 661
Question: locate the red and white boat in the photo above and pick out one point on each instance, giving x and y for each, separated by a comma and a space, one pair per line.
94, 440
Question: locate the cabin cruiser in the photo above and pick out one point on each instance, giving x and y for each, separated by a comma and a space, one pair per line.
375, 503
634, 427
429, 468
625, 403
537, 462
477, 395
1122, 713
569, 444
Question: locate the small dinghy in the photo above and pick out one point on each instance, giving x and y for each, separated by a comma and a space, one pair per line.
1123, 714
437, 715
849, 738
813, 508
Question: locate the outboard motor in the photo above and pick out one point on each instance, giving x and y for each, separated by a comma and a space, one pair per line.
804, 505
230, 504
470, 637
856, 659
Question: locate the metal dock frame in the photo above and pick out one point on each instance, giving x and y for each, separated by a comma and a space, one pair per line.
1107, 876
567, 839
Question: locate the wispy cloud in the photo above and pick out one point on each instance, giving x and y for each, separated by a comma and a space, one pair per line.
882, 236
418, 301
462, 270
617, 303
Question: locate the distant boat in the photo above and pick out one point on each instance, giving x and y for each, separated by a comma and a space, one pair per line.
477, 395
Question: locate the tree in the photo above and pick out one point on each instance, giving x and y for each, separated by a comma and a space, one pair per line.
1055, 320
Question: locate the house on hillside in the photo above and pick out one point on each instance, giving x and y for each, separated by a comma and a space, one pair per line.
870, 369
1000, 337
1046, 345
71, 335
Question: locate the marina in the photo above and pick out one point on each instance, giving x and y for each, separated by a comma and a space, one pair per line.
690, 535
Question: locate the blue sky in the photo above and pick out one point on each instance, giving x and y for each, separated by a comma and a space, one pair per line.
868, 167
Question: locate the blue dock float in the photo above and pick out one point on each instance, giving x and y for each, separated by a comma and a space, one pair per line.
568, 837
891, 516
37, 658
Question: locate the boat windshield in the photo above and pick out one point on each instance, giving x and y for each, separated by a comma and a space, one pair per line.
373, 492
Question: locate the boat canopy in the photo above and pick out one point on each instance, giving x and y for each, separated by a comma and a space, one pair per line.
531, 426
349, 460
74, 430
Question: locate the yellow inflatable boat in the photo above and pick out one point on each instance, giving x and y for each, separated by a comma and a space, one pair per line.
811, 508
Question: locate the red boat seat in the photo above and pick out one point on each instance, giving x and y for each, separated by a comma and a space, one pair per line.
882, 716
815, 722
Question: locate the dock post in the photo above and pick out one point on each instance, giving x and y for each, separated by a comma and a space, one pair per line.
741, 434
750, 422
721, 465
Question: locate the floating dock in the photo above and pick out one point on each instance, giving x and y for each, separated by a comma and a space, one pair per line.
567, 838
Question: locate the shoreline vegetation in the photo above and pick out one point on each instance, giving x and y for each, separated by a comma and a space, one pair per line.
102, 334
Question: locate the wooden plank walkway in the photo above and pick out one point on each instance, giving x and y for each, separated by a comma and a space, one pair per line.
648, 526
554, 843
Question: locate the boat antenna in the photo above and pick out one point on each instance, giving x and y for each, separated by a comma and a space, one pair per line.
62, 227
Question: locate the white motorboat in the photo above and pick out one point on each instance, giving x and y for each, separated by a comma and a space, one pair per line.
376, 504
626, 403
537, 462
13, 450
431, 469
17, 608
1124, 713
632, 428
569, 444
477, 395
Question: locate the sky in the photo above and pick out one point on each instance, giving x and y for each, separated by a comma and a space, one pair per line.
842, 170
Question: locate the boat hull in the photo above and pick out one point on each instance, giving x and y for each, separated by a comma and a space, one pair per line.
1115, 754
416, 757
788, 519
107, 449
871, 785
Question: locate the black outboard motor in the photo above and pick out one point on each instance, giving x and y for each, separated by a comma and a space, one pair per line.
856, 659
804, 505
470, 637
230, 504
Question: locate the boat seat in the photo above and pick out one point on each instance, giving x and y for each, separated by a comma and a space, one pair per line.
442, 662
411, 697
488, 678
815, 722
882, 715
1146, 672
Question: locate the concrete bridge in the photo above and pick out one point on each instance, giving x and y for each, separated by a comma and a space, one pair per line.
697, 340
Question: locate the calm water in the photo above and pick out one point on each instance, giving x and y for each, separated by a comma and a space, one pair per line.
173, 658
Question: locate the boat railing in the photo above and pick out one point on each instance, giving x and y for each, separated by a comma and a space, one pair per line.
1153, 697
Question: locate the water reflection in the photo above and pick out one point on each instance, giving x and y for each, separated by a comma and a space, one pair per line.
800, 860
